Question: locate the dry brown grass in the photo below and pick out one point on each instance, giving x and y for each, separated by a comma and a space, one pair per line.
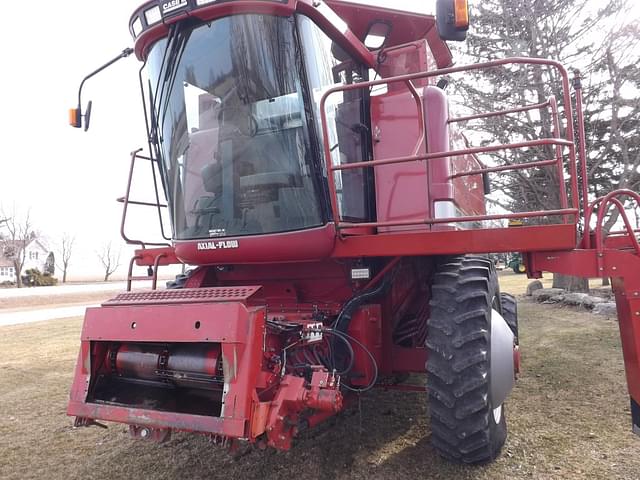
516, 284
568, 418
43, 301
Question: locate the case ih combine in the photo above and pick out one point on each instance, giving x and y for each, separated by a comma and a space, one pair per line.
335, 217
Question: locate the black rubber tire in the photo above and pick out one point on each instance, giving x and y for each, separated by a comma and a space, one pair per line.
180, 280
510, 312
463, 426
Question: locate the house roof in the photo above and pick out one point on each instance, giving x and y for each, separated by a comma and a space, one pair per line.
17, 244
39, 243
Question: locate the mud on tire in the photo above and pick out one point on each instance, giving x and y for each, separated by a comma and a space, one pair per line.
465, 426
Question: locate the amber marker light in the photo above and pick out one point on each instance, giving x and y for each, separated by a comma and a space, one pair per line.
461, 13
74, 117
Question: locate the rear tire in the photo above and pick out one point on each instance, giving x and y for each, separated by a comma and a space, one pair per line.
510, 313
465, 426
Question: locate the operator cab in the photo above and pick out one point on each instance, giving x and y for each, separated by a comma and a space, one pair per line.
236, 124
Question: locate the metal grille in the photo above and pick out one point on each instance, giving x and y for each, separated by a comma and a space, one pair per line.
184, 295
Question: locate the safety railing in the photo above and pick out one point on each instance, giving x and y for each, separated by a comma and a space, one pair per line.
603, 205
126, 201
152, 271
568, 212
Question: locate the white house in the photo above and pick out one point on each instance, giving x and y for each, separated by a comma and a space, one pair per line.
7, 271
35, 257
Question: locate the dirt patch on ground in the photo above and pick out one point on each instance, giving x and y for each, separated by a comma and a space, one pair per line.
568, 418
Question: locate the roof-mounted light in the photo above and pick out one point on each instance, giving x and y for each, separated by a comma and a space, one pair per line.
154, 12
377, 35
153, 15
136, 27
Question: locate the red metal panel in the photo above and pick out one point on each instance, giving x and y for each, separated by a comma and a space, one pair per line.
407, 58
467, 193
405, 26
627, 292
624, 269
525, 238
238, 329
409, 359
82, 375
298, 246
209, 12
154, 418
184, 296
394, 116
218, 322
366, 327
319, 12
147, 256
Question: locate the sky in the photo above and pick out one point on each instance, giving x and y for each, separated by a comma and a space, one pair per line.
66, 178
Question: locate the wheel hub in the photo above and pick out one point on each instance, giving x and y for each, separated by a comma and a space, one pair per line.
503, 364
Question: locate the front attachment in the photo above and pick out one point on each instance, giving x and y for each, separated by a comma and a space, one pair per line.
194, 360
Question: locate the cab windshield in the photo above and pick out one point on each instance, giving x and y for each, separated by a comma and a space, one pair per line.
240, 147
240, 152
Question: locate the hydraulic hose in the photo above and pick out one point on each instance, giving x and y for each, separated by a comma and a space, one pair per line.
344, 317
341, 325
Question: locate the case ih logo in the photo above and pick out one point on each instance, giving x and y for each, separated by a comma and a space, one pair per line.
172, 5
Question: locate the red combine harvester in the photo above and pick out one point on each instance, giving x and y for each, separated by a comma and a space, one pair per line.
335, 217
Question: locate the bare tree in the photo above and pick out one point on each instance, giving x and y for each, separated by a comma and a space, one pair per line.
13, 244
110, 259
65, 251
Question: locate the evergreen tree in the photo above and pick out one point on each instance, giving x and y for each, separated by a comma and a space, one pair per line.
50, 265
586, 35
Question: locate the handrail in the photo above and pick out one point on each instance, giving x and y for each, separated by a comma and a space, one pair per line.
473, 218
604, 202
568, 142
453, 153
153, 273
421, 120
505, 168
125, 201
130, 272
536, 106
553, 105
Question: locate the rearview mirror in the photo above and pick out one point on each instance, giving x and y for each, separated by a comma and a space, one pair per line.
75, 117
452, 19
87, 116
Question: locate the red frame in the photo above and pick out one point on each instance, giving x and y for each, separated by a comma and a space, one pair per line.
240, 336
301, 276
558, 142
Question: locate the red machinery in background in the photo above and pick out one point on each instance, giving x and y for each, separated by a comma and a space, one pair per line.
335, 215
